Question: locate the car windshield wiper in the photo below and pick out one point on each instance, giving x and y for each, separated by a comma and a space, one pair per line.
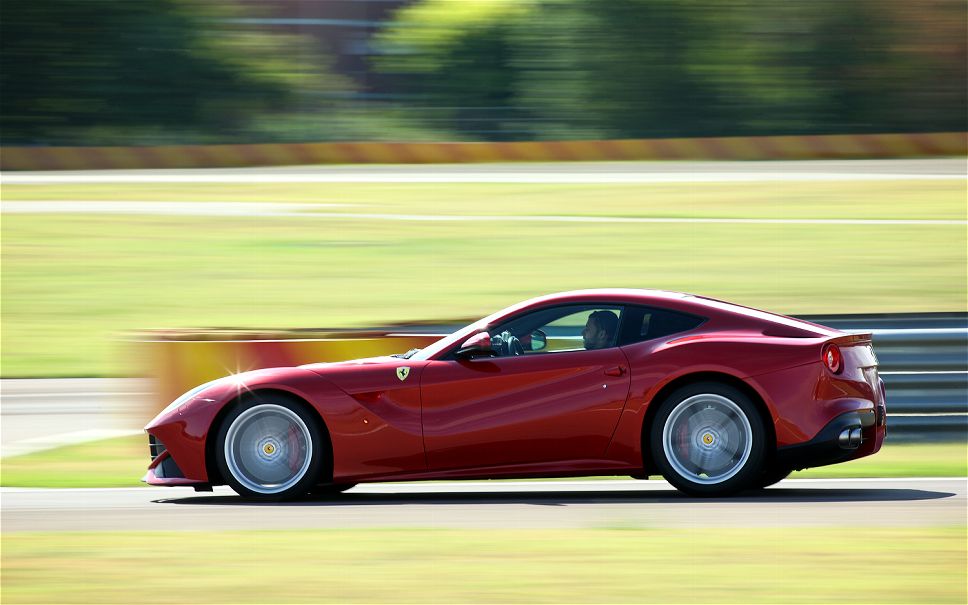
407, 355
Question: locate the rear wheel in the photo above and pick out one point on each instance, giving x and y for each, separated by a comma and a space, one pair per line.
269, 449
708, 439
772, 476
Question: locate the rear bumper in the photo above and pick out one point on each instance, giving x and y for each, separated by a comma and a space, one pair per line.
828, 447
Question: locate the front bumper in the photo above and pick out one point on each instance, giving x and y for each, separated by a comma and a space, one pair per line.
163, 469
151, 478
829, 448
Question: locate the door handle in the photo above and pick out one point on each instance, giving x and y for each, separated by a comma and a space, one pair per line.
616, 371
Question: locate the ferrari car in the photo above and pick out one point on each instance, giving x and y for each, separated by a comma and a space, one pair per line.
713, 396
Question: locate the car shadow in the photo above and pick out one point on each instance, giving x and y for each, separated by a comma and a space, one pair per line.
779, 496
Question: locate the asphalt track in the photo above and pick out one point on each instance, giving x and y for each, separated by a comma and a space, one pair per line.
549, 173
846, 503
559, 172
849, 503
39, 414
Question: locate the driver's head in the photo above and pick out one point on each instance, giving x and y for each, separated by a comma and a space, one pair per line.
599, 329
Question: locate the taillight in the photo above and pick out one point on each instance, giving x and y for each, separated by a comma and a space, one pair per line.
833, 359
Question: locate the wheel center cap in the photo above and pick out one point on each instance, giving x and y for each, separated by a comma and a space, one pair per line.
708, 438
268, 449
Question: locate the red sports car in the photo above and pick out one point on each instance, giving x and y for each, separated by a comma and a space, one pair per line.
713, 396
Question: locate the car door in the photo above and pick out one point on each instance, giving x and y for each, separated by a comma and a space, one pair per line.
555, 401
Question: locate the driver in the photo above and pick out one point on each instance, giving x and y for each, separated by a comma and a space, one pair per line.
599, 330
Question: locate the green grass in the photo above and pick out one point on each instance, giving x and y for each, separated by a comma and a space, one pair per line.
900, 460
631, 565
72, 283
900, 199
122, 461
118, 462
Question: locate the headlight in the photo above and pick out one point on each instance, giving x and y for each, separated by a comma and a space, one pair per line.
174, 405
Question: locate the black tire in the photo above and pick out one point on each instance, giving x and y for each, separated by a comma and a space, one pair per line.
269, 448
330, 489
716, 424
772, 476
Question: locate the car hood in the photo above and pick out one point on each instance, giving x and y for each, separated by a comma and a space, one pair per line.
324, 369
370, 374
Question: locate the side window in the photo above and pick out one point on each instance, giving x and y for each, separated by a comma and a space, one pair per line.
557, 330
646, 323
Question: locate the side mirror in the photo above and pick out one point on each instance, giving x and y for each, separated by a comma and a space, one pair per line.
539, 340
478, 344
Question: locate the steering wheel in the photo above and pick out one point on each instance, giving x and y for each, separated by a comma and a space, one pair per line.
512, 346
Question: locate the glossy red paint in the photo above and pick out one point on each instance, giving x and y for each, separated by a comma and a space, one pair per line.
153, 477
375, 427
557, 414
521, 410
478, 342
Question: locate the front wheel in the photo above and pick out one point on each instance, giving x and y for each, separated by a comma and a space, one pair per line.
708, 439
331, 489
269, 449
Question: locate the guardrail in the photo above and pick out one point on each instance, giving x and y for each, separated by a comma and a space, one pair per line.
927, 376
923, 359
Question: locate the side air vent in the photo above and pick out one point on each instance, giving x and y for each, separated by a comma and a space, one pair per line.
155, 446
168, 469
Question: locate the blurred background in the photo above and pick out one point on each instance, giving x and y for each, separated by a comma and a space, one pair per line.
111, 278
113, 72
129, 76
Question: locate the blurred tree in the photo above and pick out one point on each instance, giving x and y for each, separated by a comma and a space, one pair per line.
97, 71
456, 57
166, 71
660, 68
629, 68
930, 79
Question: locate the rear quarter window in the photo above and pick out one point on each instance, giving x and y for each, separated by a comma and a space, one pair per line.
647, 323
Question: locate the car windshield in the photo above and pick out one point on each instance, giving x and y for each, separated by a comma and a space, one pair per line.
466, 332
448, 341
407, 355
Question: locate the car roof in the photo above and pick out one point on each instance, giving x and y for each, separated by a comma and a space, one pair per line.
680, 301
677, 301
642, 296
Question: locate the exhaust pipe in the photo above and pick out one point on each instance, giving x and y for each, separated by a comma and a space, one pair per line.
850, 439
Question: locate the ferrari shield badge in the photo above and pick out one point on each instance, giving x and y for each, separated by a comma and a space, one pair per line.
403, 372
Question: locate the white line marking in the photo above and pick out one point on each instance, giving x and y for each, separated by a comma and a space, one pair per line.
925, 414
193, 208
915, 373
917, 331
883, 479
633, 219
744, 221
305, 211
495, 485
47, 442
466, 177
279, 340
77, 395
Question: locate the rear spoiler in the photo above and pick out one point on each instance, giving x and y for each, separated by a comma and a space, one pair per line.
847, 340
